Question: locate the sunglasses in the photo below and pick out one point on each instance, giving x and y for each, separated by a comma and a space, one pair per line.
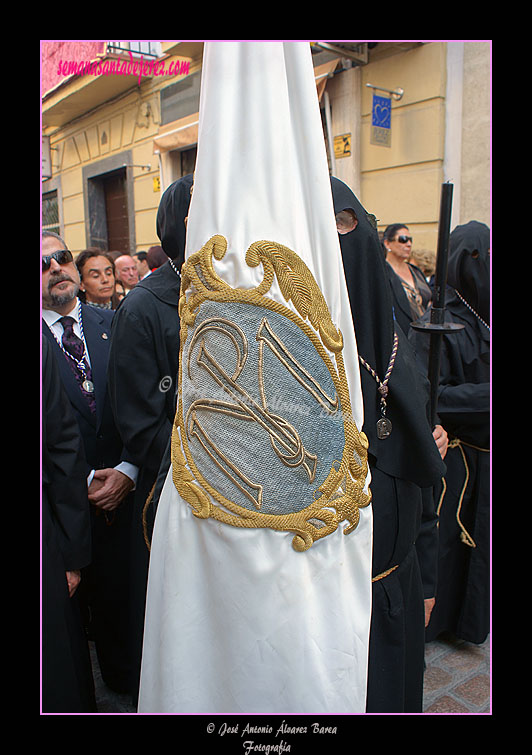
404, 239
63, 256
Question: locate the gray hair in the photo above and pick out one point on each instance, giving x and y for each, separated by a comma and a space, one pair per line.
51, 234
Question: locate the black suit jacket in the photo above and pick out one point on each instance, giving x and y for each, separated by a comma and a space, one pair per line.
65, 511
67, 685
102, 443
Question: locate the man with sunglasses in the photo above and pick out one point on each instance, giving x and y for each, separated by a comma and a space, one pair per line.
80, 338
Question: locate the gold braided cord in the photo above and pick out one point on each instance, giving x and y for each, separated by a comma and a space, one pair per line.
442, 496
465, 537
144, 516
384, 574
342, 493
298, 285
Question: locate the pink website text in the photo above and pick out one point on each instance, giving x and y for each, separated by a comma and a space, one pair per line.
131, 67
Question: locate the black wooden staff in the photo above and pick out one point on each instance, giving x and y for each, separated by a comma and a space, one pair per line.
437, 326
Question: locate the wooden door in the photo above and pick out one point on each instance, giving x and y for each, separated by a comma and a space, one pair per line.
115, 193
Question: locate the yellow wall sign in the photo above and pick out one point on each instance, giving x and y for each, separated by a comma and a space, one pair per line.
342, 145
156, 183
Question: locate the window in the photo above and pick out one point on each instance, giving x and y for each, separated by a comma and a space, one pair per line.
180, 99
50, 212
145, 48
182, 162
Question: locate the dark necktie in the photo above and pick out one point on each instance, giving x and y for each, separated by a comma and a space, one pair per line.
70, 341
75, 347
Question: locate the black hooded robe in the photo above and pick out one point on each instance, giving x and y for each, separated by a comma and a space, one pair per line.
404, 468
463, 595
142, 380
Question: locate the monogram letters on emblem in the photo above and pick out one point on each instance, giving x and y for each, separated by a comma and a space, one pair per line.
284, 437
238, 456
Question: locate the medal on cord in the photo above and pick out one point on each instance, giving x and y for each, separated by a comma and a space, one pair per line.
384, 425
87, 385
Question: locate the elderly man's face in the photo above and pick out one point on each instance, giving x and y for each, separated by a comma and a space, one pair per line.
60, 283
126, 271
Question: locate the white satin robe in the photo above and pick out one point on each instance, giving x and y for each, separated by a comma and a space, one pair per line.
237, 621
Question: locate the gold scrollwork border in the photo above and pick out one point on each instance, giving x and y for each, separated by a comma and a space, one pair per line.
342, 494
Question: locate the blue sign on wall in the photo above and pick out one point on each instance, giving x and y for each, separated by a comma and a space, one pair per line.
381, 120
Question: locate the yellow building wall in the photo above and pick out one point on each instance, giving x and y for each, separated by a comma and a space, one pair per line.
475, 193
109, 130
402, 183
344, 97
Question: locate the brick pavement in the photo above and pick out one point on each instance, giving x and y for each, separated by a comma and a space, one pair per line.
457, 677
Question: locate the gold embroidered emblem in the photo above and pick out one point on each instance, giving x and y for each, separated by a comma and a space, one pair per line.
263, 434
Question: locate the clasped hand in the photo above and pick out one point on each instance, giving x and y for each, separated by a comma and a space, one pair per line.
108, 488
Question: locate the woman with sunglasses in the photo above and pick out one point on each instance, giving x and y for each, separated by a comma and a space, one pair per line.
411, 292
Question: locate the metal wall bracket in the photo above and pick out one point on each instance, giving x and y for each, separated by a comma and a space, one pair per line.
396, 93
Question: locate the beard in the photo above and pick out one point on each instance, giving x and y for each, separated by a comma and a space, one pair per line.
56, 299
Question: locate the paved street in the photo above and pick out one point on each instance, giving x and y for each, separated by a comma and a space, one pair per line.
457, 680
457, 677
